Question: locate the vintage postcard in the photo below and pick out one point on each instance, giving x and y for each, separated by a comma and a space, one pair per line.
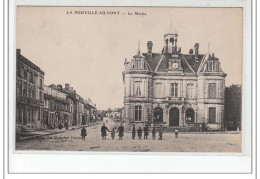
129, 79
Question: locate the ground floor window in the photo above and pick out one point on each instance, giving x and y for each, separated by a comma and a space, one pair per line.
190, 115
158, 115
138, 113
212, 115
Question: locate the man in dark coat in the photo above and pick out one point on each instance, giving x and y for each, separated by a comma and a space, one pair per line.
139, 133
103, 131
133, 132
66, 125
83, 133
154, 133
121, 131
146, 132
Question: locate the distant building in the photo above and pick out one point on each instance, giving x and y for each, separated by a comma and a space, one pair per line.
173, 88
29, 93
67, 105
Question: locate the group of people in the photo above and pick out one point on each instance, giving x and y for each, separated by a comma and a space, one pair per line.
120, 132
146, 132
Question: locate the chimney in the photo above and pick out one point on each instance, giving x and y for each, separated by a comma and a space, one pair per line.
149, 47
67, 86
196, 49
59, 87
74, 91
191, 51
18, 51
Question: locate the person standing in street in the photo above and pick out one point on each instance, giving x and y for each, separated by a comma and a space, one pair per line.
139, 133
103, 131
146, 133
120, 130
113, 134
83, 133
160, 132
66, 125
176, 133
133, 132
154, 133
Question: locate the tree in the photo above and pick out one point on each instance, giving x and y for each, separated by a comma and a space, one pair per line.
232, 115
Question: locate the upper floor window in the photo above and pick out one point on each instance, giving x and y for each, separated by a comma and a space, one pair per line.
138, 88
158, 90
190, 91
25, 74
19, 88
41, 96
41, 83
25, 89
174, 89
31, 77
212, 90
213, 66
212, 115
138, 64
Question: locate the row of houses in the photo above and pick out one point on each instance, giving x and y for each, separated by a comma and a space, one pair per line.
39, 106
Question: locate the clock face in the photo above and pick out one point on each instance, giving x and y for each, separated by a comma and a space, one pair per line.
175, 65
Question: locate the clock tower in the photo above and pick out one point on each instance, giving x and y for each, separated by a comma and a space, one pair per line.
174, 64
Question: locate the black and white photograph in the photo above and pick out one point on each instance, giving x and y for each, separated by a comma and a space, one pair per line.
128, 79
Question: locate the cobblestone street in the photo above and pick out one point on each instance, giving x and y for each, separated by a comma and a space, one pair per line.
187, 142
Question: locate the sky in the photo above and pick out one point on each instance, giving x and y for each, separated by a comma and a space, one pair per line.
88, 50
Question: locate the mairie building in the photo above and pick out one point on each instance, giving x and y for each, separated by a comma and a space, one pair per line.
173, 88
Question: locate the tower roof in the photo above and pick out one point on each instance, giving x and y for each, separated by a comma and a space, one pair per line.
172, 29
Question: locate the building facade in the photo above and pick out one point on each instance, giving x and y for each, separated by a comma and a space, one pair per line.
173, 88
57, 107
41, 107
29, 93
65, 105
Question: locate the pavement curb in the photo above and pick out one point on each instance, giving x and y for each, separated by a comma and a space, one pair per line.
52, 133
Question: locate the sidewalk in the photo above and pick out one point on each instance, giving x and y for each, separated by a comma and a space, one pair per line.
37, 134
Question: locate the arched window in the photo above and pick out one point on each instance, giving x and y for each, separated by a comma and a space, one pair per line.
189, 115
158, 115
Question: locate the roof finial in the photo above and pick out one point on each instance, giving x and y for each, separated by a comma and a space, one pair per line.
138, 51
172, 30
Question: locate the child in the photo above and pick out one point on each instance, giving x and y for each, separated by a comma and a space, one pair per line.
139, 132
113, 134
154, 133
160, 132
176, 133
83, 133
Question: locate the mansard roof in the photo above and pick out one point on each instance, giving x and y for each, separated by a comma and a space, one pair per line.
154, 61
159, 62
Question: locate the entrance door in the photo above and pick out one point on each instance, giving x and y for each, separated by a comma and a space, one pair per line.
174, 117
